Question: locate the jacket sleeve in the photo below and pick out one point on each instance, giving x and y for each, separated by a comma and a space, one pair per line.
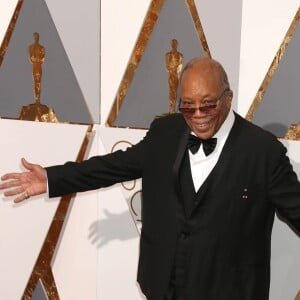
97, 172
284, 188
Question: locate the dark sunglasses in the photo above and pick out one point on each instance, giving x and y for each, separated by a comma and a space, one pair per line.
206, 109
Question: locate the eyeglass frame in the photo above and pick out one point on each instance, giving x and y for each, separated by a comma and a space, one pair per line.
209, 108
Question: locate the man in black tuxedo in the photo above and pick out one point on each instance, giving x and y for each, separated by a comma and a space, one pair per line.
208, 205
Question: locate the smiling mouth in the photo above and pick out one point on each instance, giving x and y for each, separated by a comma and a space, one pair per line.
202, 126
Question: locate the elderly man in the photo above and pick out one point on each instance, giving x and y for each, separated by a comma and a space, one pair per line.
211, 184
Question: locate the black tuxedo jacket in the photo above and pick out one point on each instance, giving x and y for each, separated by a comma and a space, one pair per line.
228, 231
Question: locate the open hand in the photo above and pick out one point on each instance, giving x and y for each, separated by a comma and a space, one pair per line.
25, 184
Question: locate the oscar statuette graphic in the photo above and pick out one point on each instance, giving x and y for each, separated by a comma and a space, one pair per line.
37, 111
132, 190
174, 60
293, 132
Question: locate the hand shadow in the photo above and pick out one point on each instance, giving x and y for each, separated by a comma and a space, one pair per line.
112, 227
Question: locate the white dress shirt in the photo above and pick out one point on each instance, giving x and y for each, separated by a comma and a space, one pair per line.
202, 165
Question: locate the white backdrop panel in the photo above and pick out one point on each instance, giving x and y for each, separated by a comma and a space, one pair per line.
7, 9
116, 235
24, 226
264, 25
75, 263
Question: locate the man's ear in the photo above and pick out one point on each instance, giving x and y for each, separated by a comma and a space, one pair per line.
229, 97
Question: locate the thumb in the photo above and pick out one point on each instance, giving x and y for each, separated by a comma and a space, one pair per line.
27, 165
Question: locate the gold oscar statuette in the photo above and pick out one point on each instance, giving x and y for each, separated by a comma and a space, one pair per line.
37, 111
174, 60
293, 132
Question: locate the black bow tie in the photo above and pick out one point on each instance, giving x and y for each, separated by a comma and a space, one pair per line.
194, 143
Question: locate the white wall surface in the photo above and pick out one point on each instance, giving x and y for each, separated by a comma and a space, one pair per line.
264, 25
75, 261
24, 226
117, 235
7, 9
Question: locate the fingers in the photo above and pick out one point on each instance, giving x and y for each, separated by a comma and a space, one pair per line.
25, 163
21, 193
25, 184
10, 176
10, 184
14, 192
22, 197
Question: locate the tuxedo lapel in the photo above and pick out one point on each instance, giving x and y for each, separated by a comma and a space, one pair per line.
228, 153
187, 188
183, 138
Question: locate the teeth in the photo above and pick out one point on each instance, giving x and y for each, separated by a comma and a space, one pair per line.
202, 125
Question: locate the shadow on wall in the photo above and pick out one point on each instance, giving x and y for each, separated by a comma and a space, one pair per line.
112, 227
277, 129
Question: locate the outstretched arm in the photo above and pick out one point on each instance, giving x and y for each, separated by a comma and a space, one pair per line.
25, 184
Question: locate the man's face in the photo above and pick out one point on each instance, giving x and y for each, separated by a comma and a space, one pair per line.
199, 89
